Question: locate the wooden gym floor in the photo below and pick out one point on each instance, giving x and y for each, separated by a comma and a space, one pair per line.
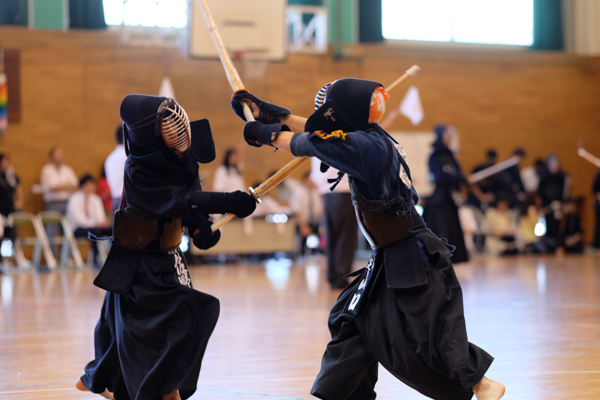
539, 316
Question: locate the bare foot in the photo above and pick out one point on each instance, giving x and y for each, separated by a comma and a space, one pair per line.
488, 389
106, 394
174, 395
80, 386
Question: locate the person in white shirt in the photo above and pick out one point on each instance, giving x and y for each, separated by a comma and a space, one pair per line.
503, 227
307, 205
85, 213
339, 220
114, 167
228, 176
58, 181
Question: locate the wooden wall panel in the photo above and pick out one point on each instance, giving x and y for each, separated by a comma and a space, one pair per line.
73, 83
12, 68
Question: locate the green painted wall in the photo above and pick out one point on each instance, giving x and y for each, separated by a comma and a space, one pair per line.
306, 2
49, 14
343, 23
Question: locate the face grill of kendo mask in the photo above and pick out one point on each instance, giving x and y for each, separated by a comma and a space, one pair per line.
175, 126
321, 96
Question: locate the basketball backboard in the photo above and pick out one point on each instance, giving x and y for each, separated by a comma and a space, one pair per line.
257, 25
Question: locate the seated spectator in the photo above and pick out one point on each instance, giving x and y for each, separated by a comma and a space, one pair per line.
85, 213
307, 206
58, 181
104, 192
11, 193
572, 240
503, 228
527, 223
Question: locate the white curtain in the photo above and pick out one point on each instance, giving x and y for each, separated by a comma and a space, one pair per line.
582, 26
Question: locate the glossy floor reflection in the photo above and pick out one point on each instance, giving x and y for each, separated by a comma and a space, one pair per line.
539, 316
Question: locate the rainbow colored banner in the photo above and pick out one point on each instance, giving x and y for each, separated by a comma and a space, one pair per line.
3, 103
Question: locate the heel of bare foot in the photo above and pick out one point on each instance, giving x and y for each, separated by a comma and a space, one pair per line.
80, 386
174, 395
488, 389
106, 394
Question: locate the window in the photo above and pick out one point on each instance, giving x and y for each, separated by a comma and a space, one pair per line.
161, 13
466, 21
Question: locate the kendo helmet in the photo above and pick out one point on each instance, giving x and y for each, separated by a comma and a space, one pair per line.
348, 104
154, 123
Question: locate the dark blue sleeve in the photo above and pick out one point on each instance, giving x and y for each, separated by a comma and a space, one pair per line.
359, 154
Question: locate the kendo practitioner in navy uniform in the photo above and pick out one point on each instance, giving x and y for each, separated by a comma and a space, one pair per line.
154, 327
405, 309
441, 209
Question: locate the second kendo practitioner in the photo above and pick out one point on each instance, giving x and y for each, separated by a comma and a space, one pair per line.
154, 327
441, 208
405, 309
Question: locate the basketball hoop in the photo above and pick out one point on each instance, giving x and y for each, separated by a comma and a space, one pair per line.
254, 62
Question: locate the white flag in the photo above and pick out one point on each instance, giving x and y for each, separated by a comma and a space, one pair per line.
166, 89
411, 106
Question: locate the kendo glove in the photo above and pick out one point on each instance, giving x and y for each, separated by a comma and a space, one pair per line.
239, 203
256, 133
269, 113
200, 229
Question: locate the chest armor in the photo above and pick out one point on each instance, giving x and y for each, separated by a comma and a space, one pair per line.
384, 223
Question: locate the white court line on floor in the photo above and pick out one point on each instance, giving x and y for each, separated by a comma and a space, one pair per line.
41, 390
198, 390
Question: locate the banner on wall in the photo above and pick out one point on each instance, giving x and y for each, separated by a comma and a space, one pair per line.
3, 96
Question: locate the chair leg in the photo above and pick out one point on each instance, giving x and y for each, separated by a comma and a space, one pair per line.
43, 239
75, 253
37, 255
90, 257
102, 250
64, 253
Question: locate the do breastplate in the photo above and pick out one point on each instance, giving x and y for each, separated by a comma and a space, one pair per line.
384, 223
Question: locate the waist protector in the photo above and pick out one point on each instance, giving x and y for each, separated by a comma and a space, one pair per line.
134, 231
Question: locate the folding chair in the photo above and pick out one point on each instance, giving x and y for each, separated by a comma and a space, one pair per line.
66, 241
5, 223
39, 241
482, 231
102, 250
